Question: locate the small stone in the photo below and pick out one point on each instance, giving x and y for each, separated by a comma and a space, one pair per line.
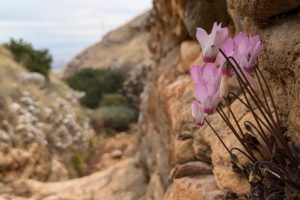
15, 107
116, 154
33, 109
33, 78
26, 100
4, 136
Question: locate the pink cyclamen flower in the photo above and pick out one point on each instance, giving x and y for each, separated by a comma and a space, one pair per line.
198, 113
235, 48
210, 44
207, 86
248, 49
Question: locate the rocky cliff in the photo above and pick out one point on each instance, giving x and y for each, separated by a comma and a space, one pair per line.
169, 137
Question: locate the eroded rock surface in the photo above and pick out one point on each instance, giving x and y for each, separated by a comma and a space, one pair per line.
124, 181
167, 128
261, 10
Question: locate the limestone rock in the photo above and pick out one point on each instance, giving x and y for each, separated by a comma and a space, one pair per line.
156, 188
116, 154
58, 171
33, 78
184, 151
194, 188
166, 101
264, 9
24, 163
174, 21
203, 14
193, 168
279, 62
122, 181
189, 51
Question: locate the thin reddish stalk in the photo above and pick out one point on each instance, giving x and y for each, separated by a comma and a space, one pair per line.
256, 99
263, 92
217, 135
241, 131
254, 113
278, 135
287, 151
222, 114
241, 151
269, 91
263, 136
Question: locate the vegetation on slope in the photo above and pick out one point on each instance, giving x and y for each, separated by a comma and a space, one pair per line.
104, 92
34, 60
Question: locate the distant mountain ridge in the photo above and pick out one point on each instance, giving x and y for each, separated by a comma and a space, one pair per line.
122, 47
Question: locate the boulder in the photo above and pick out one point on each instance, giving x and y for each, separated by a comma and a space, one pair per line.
33, 78
194, 188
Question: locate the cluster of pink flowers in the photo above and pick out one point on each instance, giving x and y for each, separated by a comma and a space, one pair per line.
211, 80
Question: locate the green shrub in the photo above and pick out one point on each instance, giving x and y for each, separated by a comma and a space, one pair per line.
115, 99
34, 60
78, 164
95, 83
113, 117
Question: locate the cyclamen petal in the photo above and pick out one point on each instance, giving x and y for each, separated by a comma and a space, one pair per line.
202, 37
248, 49
244, 50
228, 48
196, 73
198, 113
211, 43
207, 86
201, 91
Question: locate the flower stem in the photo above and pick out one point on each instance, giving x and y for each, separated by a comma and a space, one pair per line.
217, 135
222, 114
241, 151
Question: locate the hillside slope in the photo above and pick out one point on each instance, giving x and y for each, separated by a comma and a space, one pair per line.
41, 125
124, 47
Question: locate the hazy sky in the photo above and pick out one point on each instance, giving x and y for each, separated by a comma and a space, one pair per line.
64, 26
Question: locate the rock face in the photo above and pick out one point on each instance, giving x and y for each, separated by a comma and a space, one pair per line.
261, 10
195, 188
167, 128
280, 61
174, 21
123, 48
